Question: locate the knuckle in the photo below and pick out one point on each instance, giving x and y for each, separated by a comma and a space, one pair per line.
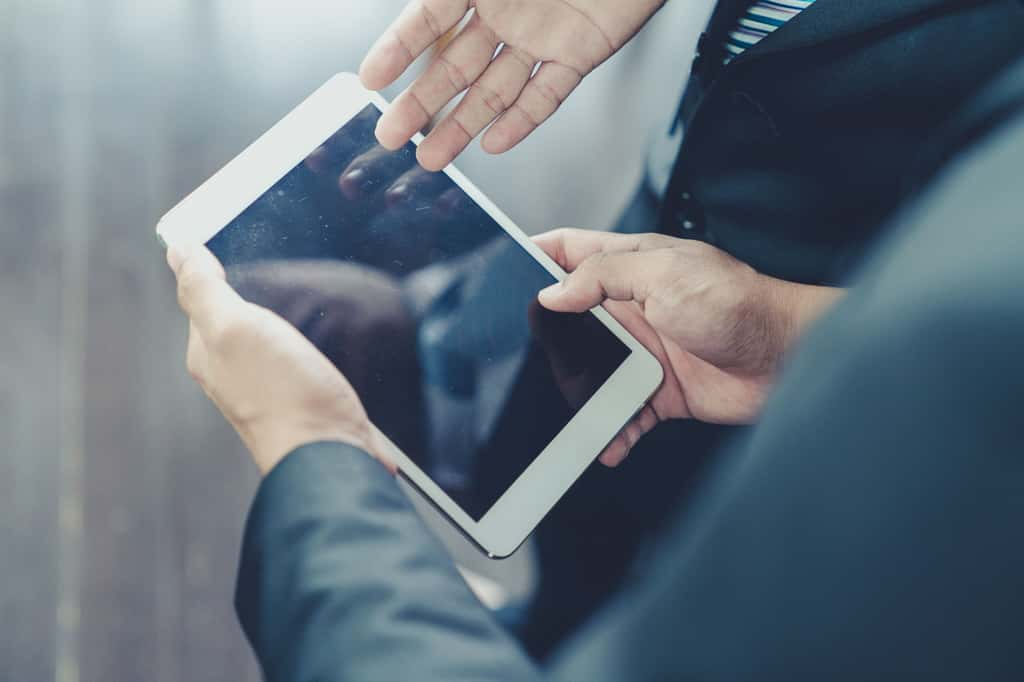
653, 240
599, 262
194, 360
490, 99
586, 269
229, 335
560, 234
417, 101
403, 43
431, 20
695, 248
631, 436
650, 417
548, 94
456, 120
560, 238
593, 271
528, 116
457, 77
188, 283
194, 366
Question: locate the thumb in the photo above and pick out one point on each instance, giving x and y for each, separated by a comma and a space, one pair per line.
203, 291
619, 276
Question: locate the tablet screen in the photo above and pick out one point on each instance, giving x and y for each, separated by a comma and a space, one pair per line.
426, 304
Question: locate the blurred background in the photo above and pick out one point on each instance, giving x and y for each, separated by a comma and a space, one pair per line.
122, 491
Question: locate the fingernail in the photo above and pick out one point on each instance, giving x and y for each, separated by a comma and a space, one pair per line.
550, 293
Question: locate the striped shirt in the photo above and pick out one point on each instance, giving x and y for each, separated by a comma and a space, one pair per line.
762, 18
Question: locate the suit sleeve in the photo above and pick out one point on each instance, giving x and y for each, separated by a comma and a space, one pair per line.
340, 580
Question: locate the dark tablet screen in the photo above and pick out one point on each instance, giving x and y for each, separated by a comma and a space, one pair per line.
426, 304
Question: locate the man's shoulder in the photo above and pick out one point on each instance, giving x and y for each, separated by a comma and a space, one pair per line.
954, 258
993, 109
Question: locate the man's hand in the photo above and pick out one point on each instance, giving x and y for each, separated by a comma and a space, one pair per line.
718, 328
568, 38
274, 387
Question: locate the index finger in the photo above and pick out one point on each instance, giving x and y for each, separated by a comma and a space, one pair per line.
569, 246
419, 26
618, 276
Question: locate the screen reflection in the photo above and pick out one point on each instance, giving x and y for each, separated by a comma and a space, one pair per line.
425, 304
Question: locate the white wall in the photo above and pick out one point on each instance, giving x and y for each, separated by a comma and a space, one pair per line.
578, 169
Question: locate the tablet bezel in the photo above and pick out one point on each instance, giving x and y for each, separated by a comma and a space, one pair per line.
222, 198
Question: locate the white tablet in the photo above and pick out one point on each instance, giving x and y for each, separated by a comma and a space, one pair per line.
423, 293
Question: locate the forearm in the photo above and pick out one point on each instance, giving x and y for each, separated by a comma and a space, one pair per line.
339, 579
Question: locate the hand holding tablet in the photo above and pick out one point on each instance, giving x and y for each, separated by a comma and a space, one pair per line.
237, 349
419, 285
413, 319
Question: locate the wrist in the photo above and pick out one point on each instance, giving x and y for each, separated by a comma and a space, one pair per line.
270, 443
795, 307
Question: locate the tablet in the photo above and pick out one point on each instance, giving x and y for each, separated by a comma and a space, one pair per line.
423, 294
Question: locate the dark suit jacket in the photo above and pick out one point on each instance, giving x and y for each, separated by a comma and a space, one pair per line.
796, 151
792, 155
870, 528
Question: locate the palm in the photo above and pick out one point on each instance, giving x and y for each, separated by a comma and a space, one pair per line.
568, 40
693, 387
712, 394
577, 35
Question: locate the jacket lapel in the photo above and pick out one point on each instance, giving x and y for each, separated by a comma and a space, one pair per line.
828, 20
